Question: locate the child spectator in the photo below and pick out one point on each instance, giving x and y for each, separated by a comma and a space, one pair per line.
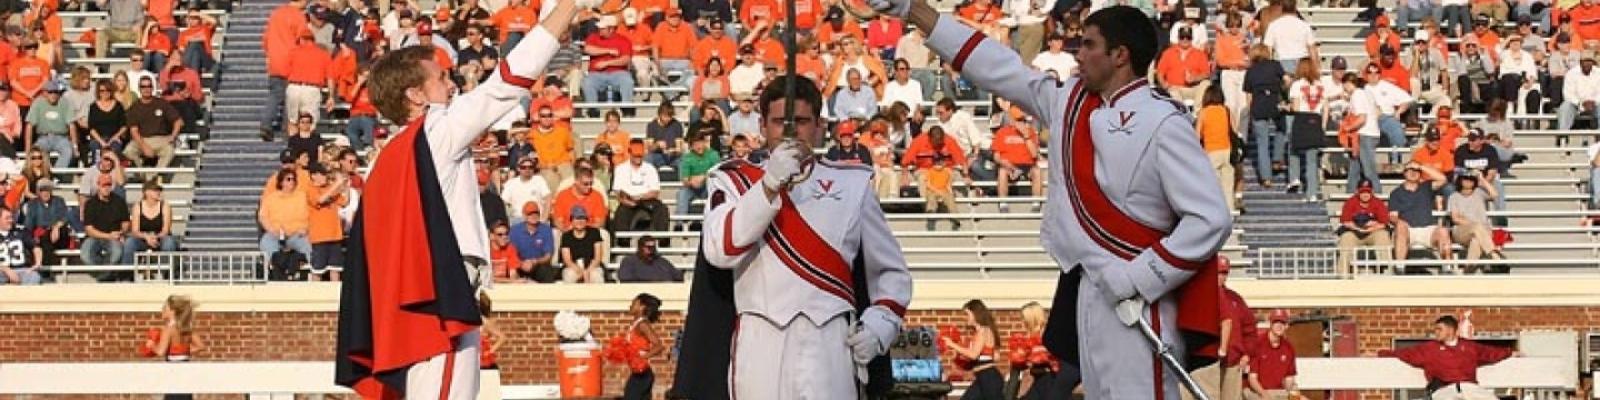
692, 169
502, 254
327, 232
938, 190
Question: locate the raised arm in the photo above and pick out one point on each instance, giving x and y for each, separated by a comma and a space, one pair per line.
1002, 70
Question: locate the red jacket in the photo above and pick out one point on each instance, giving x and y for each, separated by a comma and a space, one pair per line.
1450, 364
1244, 333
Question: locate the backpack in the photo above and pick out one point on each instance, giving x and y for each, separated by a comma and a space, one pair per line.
285, 265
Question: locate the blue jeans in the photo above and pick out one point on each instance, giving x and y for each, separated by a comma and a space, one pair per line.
1364, 166
275, 98
1543, 17
1289, 65
1567, 113
1266, 134
1594, 187
687, 195
659, 158
1395, 132
196, 58
982, 166
96, 251
25, 276
511, 42
154, 62
1454, 17
619, 80
925, 78
57, 143
1309, 162
359, 130
686, 71
132, 245
1407, 14
271, 245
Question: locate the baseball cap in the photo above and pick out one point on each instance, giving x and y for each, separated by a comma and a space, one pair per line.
530, 207
1365, 187
286, 156
1382, 21
47, 183
1422, 36
630, 16
1339, 63
424, 28
578, 212
1279, 315
54, 86
608, 21
1474, 134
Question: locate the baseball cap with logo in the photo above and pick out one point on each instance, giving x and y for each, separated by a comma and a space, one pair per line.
1279, 315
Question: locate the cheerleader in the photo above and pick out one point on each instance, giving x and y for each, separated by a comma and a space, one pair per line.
491, 338
987, 384
646, 311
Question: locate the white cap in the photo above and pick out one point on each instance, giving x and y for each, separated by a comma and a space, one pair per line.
630, 16
607, 21
1422, 35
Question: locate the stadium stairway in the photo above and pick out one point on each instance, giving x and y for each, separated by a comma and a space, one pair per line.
1273, 218
236, 162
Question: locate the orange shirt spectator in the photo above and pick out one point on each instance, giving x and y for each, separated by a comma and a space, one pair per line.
52, 25
281, 37
1373, 42
810, 66
1016, 145
648, 8
1489, 42
157, 42
1213, 127
594, 203
827, 33
554, 146
980, 13
921, 152
939, 179
713, 46
617, 140
753, 11
770, 52
1396, 74
560, 104
884, 33
1450, 131
343, 71
640, 35
1442, 158
807, 13
1230, 50
1585, 22
198, 32
361, 103
162, 10
27, 76
8, 53
672, 41
325, 225
503, 258
514, 18
312, 65
1179, 65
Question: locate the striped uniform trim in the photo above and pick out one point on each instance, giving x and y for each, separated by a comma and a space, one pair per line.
513, 79
971, 44
1155, 325
1080, 180
895, 306
742, 184
797, 245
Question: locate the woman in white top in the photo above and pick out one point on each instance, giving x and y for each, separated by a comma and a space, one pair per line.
1517, 69
1308, 102
1363, 113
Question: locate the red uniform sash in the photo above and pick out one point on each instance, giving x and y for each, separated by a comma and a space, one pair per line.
797, 244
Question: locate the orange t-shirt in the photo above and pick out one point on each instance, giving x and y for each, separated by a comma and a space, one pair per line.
921, 152
1372, 44
938, 179
673, 42
770, 52
162, 10
157, 42
504, 259
618, 141
27, 74
1489, 42
594, 203
52, 26
311, 65
197, 33
640, 35
325, 224
1449, 132
343, 72
1011, 144
810, 67
645, 6
1177, 65
807, 13
1585, 22
514, 19
281, 37
1443, 160
983, 15
1213, 126
1230, 49
827, 34
751, 11
554, 147
707, 48
1398, 75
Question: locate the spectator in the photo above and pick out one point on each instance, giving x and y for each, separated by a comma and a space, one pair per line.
285, 216
610, 55
1469, 213
715, 44
746, 76
1480, 158
1455, 14
122, 24
307, 79
10, 123
477, 48
1264, 87
758, 12
855, 101
692, 170
1518, 69
1393, 100
503, 254
146, 231
712, 85
974, 143
745, 120
903, 89
938, 190
640, 35
21, 267
1382, 34
637, 188
613, 136
326, 197
47, 217
1452, 361
1308, 106
1054, 58
156, 44
1411, 207
1580, 91
852, 58
672, 42
846, 150
1290, 38
1432, 78
1185, 70
489, 201
28, 76
664, 133
1416, 10
886, 183
466, 16
554, 145
195, 40
106, 224
79, 94
1434, 154
184, 91
279, 41
122, 89
1272, 366
1361, 122
536, 246
581, 193
647, 265
514, 22
527, 186
1016, 151
1474, 76
37, 166
742, 150
154, 126
837, 30
302, 138
1497, 10
1364, 221
50, 126
1216, 136
708, 117
107, 166
583, 251
363, 114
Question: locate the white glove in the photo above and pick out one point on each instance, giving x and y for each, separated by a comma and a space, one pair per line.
896, 8
1130, 311
873, 334
783, 165
585, 4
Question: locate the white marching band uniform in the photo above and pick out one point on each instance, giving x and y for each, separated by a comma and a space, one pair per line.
1131, 203
793, 261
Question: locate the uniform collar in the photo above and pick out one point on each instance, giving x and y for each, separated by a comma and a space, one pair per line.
1125, 90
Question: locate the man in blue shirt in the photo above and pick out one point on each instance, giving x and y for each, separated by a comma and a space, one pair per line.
855, 99
536, 246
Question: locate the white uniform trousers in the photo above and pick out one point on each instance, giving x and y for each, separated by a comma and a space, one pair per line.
424, 379
1117, 361
803, 360
1463, 391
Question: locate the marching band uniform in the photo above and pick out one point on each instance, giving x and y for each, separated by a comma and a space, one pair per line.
1132, 212
796, 291
408, 318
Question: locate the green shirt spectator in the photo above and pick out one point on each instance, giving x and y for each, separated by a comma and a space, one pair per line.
692, 168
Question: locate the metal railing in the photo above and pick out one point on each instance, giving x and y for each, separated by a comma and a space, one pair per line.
1321, 262
206, 267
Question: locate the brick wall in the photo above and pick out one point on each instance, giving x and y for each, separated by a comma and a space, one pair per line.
527, 355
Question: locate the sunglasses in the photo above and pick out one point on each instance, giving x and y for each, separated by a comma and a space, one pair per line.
547, 116
525, 167
146, 87
500, 234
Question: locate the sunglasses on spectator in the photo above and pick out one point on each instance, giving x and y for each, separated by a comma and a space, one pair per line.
547, 115
524, 167
500, 234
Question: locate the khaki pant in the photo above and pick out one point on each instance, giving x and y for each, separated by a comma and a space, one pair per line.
932, 198
1463, 391
571, 274
1348, 241
1218, 382
1276, 394
104, 40
161, 146
1475, 238
553, 176
1028, 40
1497, 10
1192, 94
888, 183
1220, 163
644, 70
299, 98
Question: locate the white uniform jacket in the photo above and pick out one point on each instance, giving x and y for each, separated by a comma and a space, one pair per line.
1132, 198
795, 254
